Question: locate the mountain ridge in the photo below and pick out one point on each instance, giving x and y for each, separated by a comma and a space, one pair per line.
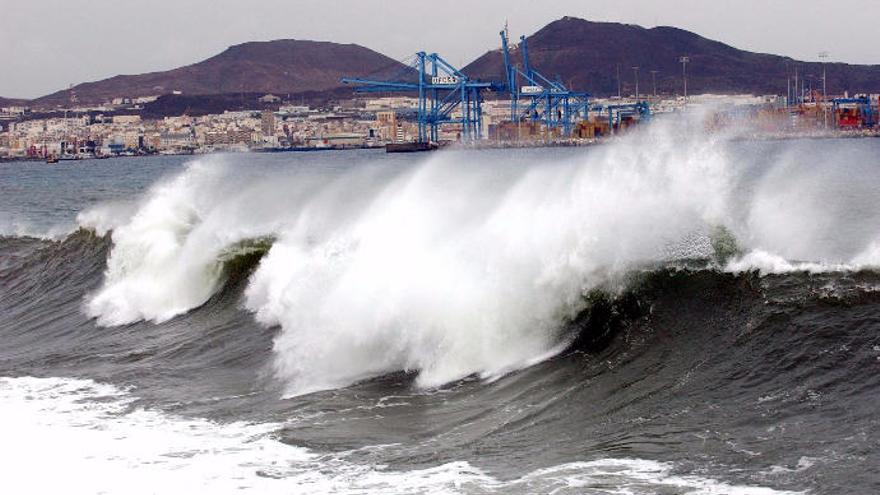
586, 54
277, 66
583, 54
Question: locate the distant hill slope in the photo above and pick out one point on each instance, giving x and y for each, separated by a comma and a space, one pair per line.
585, 55
281, 67
197, 105
12, 102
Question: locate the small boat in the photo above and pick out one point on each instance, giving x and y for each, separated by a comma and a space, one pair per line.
51, 159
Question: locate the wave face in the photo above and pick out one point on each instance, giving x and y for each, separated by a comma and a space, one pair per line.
670, 313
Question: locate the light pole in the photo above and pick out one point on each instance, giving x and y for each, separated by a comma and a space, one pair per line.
823, 56
787, 85
808, 88
618, 81
684, 61
636, 70
788, 92
654, 81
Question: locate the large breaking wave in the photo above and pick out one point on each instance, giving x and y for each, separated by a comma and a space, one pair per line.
463, 264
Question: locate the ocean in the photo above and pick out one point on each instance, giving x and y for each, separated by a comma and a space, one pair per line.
668, 313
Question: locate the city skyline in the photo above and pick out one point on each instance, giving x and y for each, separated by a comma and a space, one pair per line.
48, 45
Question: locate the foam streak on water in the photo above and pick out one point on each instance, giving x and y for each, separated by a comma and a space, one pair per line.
81, 437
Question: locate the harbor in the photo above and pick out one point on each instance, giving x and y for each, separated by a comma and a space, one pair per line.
430, 104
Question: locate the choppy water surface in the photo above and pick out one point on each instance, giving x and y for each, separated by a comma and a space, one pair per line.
663, 314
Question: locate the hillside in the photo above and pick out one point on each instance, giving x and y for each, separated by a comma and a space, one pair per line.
10, 102
585, 55
281, 67
197, 105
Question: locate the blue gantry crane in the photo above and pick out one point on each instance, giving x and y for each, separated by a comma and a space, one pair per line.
442, 88
544, 100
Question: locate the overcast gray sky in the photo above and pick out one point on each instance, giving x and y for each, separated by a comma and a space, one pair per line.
46, 45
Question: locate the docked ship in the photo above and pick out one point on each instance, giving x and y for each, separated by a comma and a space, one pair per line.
411, 147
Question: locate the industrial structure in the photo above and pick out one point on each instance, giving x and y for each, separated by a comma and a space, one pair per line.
448, 96
552, 104
545, 101
442, 89
618, 113
855, 113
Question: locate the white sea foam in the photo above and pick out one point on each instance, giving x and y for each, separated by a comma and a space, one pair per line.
77, 436
461, 264
766, 263
769, 263
164, 257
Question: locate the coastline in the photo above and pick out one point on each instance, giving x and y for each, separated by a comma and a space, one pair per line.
479, 145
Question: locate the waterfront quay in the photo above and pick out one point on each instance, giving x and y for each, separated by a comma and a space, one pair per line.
118, 129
